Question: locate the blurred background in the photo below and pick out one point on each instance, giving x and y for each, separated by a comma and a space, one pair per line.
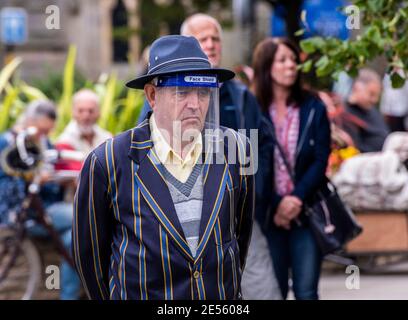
52, 48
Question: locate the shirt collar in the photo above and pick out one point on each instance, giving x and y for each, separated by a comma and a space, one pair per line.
166, 153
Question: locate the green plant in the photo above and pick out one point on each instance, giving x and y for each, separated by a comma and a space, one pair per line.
14, 95
385, 24
120, 107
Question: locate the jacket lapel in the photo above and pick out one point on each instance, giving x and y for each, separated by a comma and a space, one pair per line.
157, 195
305, 119
153, 186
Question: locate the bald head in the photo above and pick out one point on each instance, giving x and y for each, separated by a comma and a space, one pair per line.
367, 75
366, 89
207, 31
85, 109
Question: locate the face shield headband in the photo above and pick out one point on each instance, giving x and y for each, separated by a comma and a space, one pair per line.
188, 80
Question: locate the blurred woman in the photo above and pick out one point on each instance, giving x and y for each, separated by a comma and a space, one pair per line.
298, 121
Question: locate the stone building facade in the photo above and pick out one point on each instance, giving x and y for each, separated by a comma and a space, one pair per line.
89, 25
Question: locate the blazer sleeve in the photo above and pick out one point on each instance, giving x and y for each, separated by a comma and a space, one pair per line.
246, 204
316, 173
91, 231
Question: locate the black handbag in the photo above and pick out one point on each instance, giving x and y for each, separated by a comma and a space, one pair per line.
331, 220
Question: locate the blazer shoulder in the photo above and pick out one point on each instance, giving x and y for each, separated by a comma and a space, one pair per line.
238, 143
120, 143
237, 136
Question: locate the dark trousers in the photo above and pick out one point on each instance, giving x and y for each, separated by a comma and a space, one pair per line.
296, 250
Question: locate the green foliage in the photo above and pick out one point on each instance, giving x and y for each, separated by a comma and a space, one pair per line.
120, 107
13, 97
65, 103
385, 25
51, 84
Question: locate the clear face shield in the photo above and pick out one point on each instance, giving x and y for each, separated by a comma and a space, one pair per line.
187, 109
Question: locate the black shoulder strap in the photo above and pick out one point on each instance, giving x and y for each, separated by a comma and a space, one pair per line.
282, 153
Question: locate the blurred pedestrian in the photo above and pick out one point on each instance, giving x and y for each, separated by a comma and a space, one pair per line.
82, 133
364, 96
41, 116
297, 120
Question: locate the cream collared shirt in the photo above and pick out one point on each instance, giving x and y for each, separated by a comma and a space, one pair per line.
180, 168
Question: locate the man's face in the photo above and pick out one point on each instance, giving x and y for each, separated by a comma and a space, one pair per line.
86, 113
367, 94
179, 106
209, 38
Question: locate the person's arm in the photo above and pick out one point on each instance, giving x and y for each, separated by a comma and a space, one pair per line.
92, 229
246, 206
267, 200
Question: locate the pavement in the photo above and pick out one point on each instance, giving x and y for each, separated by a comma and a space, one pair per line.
340, 283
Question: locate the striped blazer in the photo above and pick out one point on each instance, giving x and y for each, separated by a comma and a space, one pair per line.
127, 240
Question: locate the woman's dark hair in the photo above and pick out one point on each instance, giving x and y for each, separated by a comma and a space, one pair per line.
263, 58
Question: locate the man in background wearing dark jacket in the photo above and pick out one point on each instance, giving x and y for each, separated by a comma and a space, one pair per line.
365, 94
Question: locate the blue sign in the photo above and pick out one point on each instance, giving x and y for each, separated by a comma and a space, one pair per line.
13, 25
323, 18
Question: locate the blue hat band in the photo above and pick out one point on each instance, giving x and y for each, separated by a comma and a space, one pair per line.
188, 80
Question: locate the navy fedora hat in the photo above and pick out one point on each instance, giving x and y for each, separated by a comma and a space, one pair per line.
177, 54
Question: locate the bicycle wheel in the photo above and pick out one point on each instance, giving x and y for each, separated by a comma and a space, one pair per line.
20, 267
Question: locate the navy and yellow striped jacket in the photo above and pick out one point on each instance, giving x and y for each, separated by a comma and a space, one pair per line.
127, 240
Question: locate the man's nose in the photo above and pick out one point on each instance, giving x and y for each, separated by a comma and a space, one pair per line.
208, 43
193, 100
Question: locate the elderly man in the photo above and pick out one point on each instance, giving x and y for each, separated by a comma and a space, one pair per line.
365, 94
238, 110
238, 107
164, 211
82, 133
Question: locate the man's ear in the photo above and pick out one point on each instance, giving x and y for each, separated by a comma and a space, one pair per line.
150, 93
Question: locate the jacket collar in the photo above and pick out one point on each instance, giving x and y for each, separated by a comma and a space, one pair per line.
141, 142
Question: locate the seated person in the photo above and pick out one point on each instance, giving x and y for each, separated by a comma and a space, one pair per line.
82, 133
41, 116
364, 96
